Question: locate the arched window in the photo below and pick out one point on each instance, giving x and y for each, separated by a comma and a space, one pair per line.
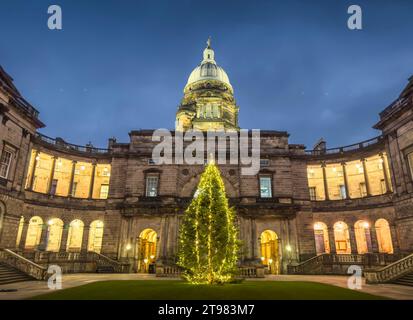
269, 251
75, 236
95, 236
322, 243
146, 249
384, 236
34, 233
363, 238
342, 238
54, 234
19, 231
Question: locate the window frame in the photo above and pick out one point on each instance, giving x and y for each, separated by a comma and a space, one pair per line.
271, 178
9, 165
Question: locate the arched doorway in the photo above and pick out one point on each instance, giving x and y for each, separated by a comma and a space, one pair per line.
19, 231
75, 236
54, 234
342, 238
95, 236
384, 236
146, 251
322, 243
363, 238
269, 251
34, 232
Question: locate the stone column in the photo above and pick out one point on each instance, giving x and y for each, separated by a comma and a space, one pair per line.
92, 181
353, 241
374, 242
332, 240
85, 239
43, 238
326, 194
22, 243
51, 177
394, 238
386, 176
254, 242
366, 177
72, 178
343, 165
64, 239
30, 188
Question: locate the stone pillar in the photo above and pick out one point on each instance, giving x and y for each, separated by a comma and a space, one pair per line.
366, 177
72, 178
255, 254
92, 181
394, 238
386, 176
64, 239
373, 236
51, 177
332, 240
85, 238
326, 194
343, 165
22, 243
353, 241
43, 238
30, 188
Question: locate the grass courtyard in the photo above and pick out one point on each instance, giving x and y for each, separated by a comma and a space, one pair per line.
180, 290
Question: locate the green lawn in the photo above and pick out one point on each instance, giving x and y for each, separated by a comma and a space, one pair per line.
180, 290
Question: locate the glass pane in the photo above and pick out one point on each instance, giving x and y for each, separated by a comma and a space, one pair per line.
265, 187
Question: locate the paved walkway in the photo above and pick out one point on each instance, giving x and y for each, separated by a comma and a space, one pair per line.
33, 288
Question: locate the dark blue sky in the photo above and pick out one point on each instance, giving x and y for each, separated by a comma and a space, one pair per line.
122, 65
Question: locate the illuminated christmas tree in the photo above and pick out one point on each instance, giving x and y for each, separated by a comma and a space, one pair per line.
208, 247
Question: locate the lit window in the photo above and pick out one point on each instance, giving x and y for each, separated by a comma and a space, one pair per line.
313, 193
343, 194
152, 186
104, 191
5, 163
363, 189
265, 187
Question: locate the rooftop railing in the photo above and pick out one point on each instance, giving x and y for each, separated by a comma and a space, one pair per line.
349, 148
63, 145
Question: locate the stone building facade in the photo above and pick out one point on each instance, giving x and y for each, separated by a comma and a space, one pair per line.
63, 201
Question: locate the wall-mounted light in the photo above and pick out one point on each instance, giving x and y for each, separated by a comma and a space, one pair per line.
128, 247
288, 248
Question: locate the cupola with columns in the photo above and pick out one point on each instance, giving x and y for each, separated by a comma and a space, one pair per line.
208, 102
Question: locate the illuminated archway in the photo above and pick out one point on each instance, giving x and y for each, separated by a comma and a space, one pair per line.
342, 238
384, 236
75, 236
54, 234
95, 236
363, 238
34, 232
322, 243
269, 251
19, 231
146, 250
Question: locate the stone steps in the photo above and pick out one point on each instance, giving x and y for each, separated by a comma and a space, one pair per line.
406, 280
9, 275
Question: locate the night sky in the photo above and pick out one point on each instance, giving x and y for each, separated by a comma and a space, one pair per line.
122, 65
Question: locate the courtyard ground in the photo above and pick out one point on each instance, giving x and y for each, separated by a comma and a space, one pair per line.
136, 285
180, 290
